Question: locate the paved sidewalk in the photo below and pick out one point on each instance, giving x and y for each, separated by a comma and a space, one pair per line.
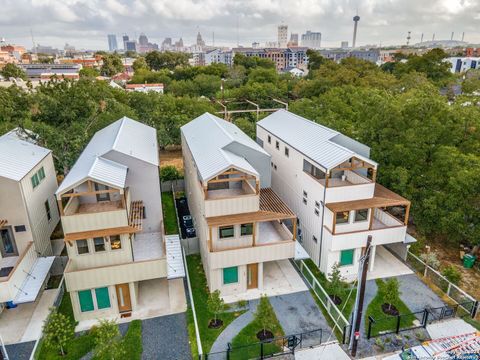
234, 328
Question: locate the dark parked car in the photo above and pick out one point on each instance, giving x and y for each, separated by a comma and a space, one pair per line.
191, 232
187, 221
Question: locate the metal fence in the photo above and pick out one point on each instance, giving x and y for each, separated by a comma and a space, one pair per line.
269, 348
336, 315
404, 322
458, 295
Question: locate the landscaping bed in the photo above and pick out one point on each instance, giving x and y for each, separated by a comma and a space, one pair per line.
200, 294
169, 215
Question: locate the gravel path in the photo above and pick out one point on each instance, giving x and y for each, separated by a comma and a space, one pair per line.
234, 328
416, 295
20, 351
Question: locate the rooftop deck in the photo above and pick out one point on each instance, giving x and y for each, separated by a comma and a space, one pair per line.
272, 232
99, 207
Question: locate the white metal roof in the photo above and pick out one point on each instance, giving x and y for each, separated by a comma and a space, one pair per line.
125, 136
176, 268
18, 156
30, 288
208, 136
311, 139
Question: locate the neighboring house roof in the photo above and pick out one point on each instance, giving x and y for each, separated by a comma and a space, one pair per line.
135, 86
19, 155
208, 137
311, 139
125, 136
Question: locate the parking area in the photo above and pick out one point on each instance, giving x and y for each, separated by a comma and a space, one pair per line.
186, 223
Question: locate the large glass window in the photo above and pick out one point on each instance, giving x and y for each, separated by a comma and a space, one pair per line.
346, 257
115, 242
86, 300
47, 209
342, 217
313, 170
103, 298
99, 243
246, 229
226, 232
82, 247
230, 275
361, 215
102, 196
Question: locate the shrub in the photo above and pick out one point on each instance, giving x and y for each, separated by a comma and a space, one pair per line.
391, 291
452, 274
169, 172
108, 341
431, 259
264, 314
337, 284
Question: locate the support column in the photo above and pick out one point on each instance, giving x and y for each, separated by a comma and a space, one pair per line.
372, 257
260, 276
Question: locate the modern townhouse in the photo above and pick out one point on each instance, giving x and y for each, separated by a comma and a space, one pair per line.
119, 264
28, 216
244, 228
328, 180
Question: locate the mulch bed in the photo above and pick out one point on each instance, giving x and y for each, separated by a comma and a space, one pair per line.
336, 299
264, 335
390, 309
215, 325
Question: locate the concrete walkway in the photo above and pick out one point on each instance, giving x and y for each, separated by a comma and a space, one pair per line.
416, 295
232, 330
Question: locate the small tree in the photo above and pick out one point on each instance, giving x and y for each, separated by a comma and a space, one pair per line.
169, 172
215, 304
12, 70
452, 274
264, 314
58, 330
336, 280
108, 341
391, 291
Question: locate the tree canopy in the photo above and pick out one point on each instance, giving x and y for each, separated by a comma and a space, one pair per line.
13, 71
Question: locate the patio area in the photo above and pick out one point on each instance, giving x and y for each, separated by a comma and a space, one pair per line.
25, 322
279, 278
147, 246
272, 232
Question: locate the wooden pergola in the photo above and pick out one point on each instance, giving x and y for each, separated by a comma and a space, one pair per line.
3, 222
271, 208
382, 198
243, 176
355, 164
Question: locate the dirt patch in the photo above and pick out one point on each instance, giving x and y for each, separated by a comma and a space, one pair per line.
390, 309
336, 299
264, 335
215, 324
172, 157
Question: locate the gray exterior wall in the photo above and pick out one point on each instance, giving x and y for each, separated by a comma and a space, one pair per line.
259, 160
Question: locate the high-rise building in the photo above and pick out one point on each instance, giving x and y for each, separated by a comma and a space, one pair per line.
200, 41
344, 44
282, 35
112, 42
356, 19
143, 40
293, 40
130, 45
125, 38
312, 39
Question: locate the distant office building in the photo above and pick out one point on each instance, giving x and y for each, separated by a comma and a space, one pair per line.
462, 64
282, 35
48, 50
255, 45
125, 38
130, 45
179, 44
344, 45
283, 58
372, 55
293, 40
143, 40
46, 71
218, 56
312, 39
112, 42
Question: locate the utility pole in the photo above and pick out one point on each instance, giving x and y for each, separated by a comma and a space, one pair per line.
358, 312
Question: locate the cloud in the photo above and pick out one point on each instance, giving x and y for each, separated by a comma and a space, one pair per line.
86, 23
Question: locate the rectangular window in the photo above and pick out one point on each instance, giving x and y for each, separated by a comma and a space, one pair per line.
317, 204
41, 174
86, 300
20, 228
342, 217
103, 298
246, 229
277, 145
230, 275
317, 212
82, 247
99, 243
305, 201
115, 242
313, 170
35, 181
287, 152
269, 138
346, 257
47, 209
305, 194
144, 213
226, 232
361, 215
314, 238
102, 196
274, 167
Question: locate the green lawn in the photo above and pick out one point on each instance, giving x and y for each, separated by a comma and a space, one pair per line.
387, 322
248, 336
169, 215
200, 295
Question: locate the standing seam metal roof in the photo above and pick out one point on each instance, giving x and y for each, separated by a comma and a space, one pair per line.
207, 136
311, 139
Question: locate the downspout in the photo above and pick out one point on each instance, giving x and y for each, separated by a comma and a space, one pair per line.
323, 219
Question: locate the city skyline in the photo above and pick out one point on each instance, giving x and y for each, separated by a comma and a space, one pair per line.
85, 24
